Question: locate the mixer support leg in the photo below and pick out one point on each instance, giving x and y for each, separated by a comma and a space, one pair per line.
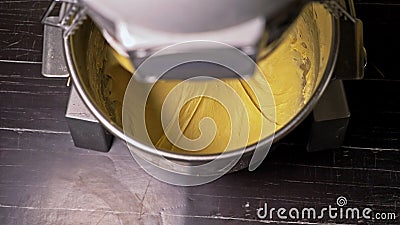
86, 131
330, 119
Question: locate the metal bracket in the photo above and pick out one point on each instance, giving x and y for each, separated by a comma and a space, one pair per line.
352, 57
337, 10
56, 28
330, 118
53, 58
71, 15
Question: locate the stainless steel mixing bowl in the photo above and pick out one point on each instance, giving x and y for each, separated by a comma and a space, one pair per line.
85, 54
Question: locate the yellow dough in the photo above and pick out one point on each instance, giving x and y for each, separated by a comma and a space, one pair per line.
291, 71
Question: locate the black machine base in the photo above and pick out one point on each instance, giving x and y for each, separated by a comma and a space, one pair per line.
86, 131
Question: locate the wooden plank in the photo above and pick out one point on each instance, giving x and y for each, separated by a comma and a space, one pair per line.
24, 110
20, 29
30, 101
99, 183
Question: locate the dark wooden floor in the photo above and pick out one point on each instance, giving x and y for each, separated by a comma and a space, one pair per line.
44, 179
